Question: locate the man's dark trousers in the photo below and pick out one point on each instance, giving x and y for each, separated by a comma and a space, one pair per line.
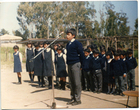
75, 81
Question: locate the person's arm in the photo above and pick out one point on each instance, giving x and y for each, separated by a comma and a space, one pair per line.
135, 63
81, 52
20, 57
64, 57
25, 53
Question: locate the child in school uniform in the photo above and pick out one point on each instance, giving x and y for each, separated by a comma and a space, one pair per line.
29, 52
123, 57
61, 67
49, 65
90, 47
96, 66
38, 65
104, 74
41, 45
86, 69
117, 66
131, 64
75, 57
107, 68
17, 63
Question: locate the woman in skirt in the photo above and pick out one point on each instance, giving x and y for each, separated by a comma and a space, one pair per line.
29, 52
61, 67
17, 63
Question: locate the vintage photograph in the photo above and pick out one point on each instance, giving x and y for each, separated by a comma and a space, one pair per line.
69, 54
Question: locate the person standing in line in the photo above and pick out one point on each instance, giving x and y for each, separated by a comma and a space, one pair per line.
131, 64
75, 57
61, 67
29, 52
38, 65
17, 63
49, 65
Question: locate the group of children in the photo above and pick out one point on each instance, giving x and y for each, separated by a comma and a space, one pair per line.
105, 71
50, 62
111, 71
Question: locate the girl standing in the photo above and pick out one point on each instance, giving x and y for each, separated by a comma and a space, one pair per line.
17, 63
61, 67
29, 52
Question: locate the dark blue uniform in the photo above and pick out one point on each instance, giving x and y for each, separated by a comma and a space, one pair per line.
131, 64
38, 64
118, 71
61, 67
17, 63
87, 73
96, 65
29, 64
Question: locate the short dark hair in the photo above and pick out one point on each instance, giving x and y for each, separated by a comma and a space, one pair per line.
94, 46
59, 48
102, 48
72, 31
129, 51
87, 50
111, 49
90, 46
41, 43
96, 51
123, 52
116, 54
29, 42
16, 47
46, 42
109, 53
36, 44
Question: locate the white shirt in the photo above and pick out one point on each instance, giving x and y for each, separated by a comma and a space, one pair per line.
20, 56
72, 40
87, 57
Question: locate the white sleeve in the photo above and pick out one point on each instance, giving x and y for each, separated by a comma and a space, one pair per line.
65, 51
26, 53
64, 57
20, 56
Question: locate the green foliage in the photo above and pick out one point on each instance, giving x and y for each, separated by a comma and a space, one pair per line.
136, 27
50, 18
136, 54
3, 31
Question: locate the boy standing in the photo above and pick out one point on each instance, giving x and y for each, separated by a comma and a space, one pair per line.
96, 65
75, 55
118, 73
131, 65
86, 69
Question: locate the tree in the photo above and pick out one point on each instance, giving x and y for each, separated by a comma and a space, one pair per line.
136, 27
3, 31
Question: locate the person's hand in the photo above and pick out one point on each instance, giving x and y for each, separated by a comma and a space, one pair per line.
80, 68
113, 77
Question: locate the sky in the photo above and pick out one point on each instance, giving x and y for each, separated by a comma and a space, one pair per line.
8, 13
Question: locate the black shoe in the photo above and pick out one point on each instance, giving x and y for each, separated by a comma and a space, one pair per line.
70, 102
39, 86
95, 91
117, 93
50, 86
108, 92
76, 103
122, 94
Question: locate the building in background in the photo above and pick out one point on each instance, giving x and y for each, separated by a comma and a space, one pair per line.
9, 40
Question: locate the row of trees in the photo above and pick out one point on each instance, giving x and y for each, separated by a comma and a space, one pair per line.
47, 19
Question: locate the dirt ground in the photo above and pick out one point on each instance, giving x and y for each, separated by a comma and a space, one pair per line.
28, 96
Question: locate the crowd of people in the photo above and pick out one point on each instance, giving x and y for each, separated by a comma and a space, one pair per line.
110, 71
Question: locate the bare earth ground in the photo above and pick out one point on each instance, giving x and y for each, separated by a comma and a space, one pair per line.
27, 96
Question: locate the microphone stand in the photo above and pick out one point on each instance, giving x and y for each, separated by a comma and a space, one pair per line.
53, 106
